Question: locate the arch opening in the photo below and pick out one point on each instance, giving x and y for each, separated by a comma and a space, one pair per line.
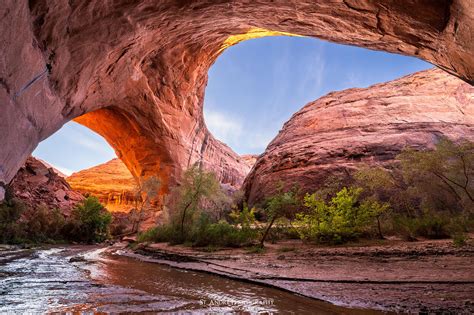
256, 86
89, 165
174, 71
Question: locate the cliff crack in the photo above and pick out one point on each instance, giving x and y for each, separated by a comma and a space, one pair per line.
30, 83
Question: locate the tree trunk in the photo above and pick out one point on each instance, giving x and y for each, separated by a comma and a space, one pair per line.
380, 229
267, 230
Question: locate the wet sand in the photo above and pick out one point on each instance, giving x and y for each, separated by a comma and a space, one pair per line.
423, 276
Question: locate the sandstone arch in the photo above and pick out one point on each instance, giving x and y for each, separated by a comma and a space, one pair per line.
63, 59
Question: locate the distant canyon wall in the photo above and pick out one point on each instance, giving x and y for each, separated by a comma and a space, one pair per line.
111, 182
345, 130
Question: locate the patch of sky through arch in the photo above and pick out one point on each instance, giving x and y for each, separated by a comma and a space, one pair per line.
253, 88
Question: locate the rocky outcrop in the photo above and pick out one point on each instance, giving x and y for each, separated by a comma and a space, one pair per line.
38, 184
344, 130
135, 71
111, 182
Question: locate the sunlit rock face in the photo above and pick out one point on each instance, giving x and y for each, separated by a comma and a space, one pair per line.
111, 182
250, 159
135, 71
115, 186
344, 130
37, 183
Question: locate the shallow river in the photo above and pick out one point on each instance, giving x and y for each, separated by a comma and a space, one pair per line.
101, 281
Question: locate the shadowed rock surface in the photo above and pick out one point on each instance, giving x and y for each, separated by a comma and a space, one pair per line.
135, 71
37, 183
344, 130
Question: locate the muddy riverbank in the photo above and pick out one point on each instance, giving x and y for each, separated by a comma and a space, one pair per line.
425, 276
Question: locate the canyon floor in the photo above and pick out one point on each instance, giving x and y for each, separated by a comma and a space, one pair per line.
389, 275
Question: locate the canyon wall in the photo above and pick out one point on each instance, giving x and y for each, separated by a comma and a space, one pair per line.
345, 130
135, 71
111, 182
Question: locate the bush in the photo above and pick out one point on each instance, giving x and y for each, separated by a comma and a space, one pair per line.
44, 225
282, 229
159, 234
341, 219
429, 225
459, 239
11, 231
200, 191
202, 232
89, 222
432, 226
221, 233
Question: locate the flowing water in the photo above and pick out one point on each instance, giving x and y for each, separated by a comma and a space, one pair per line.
49, 280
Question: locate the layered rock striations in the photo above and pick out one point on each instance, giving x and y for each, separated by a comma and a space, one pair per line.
344, 130
38, 183
135, 71
111, 182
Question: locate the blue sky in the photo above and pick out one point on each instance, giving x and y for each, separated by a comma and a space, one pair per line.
253, 88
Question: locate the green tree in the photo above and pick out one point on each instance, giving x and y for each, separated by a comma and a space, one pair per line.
445, 175
245, 218
344, 217
282, 204
196, 186
91, 221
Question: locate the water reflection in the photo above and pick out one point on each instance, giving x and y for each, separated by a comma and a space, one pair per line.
46, 281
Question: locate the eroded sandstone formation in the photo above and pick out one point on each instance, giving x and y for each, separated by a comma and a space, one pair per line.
344, 130
111, 182
37, 183
115, 187
135, 71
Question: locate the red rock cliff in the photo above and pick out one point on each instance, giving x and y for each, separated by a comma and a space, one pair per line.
135, 71
343, 130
